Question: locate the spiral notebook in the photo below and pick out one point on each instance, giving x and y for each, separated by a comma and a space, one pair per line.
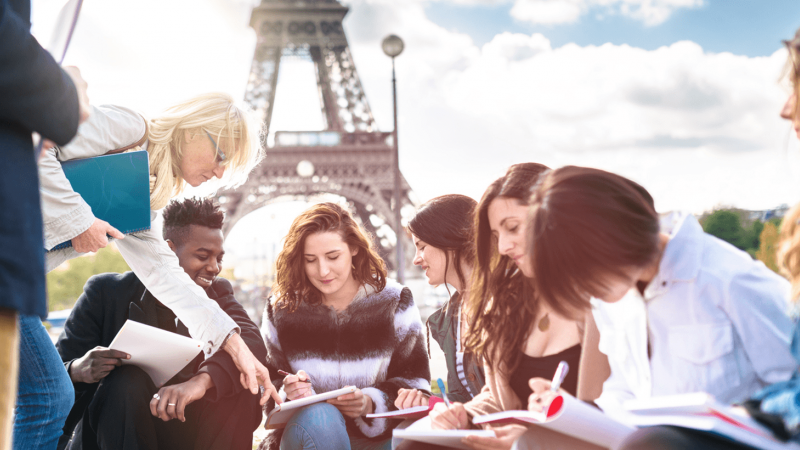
116, 187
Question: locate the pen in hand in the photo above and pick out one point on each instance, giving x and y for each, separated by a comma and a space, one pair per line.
443, 391
558, 378
286, 374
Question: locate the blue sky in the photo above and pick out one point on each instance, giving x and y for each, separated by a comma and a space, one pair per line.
743, 27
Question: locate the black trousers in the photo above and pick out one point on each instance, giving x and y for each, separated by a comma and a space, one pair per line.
119, 418
675, 438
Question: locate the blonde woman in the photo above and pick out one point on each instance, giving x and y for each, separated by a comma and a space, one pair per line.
205, 137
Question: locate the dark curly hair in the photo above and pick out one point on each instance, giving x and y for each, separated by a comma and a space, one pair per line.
292, 285
179, 215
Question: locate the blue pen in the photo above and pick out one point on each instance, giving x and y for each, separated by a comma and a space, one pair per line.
444, 394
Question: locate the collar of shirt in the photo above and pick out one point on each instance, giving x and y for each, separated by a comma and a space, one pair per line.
682, 255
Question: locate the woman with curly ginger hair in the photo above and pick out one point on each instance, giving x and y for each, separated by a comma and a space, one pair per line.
334, 321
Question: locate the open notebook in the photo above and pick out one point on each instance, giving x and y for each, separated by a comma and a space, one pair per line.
116, 187
280, 415
570, 416
700, 411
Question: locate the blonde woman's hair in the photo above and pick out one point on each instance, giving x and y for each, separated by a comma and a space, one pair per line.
232, 126
792, 69
789, 249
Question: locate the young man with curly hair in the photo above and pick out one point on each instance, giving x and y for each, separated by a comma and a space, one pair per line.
204, 406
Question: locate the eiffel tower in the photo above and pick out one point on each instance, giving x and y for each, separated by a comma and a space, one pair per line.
350, 157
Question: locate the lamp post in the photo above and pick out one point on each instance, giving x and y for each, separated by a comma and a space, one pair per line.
392, 45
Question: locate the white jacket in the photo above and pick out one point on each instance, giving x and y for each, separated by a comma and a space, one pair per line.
66, 215
714, 319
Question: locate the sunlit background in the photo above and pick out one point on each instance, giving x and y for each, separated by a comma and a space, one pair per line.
680, 95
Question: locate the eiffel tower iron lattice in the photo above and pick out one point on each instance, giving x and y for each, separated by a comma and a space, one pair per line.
350, 157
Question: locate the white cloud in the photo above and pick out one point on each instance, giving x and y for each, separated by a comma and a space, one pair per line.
553, 12
697, 129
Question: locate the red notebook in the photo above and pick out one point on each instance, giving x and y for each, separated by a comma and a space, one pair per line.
417, 412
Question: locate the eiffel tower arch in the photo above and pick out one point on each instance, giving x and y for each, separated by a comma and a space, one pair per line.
350, 157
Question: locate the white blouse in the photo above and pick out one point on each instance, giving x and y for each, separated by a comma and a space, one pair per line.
714, 319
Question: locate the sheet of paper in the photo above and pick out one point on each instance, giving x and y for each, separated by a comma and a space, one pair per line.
421, 431
415, 412
158, 352
280, 415
448, 438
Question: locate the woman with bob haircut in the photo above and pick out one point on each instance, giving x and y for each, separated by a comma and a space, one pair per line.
678, 310
518, 336
445, 250
205, 137
334, 321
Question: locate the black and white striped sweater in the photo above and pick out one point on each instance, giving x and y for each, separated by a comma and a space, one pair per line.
376, 344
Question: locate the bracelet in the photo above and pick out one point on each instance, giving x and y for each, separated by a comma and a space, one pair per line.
225, 341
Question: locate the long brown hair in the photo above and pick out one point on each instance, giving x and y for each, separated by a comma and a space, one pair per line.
292, 284
502, 306
586, 224
445, 222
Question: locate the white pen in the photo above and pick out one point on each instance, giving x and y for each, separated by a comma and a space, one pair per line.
558, 378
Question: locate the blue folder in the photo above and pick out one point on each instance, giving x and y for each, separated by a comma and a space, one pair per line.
116, 187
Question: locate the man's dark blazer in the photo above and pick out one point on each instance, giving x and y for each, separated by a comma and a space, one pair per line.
35, 95
109, 299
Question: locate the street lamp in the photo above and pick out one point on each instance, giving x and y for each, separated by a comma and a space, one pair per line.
392, 45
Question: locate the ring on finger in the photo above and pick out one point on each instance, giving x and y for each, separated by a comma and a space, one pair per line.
156, 396
170, 404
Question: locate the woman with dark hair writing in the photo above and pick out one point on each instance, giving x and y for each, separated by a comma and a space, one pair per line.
445, 249
518, 336
335, 320
678, 310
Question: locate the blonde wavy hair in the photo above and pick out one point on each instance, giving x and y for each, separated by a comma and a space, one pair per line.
792, 68
788, 256
233, 127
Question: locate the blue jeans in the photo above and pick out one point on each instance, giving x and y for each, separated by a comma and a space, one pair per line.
321, 427
45, 393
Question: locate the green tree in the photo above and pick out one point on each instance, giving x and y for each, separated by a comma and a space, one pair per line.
65, 284
726, 225
769, 245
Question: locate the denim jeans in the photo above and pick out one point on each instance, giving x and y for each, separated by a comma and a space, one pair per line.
45, 393
321, 427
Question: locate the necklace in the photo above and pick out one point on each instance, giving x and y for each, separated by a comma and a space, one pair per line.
544, 323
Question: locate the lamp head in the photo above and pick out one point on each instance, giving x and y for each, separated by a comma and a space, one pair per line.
392, 45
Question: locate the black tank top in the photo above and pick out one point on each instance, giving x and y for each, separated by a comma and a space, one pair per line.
545, 367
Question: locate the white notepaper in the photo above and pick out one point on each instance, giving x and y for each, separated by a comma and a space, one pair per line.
421, 431
280, 415
158, 352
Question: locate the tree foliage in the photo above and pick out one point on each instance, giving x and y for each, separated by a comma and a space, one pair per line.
731, 226
65, 284
727, 225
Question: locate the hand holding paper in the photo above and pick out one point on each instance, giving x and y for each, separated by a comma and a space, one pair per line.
96, 364
410, 398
